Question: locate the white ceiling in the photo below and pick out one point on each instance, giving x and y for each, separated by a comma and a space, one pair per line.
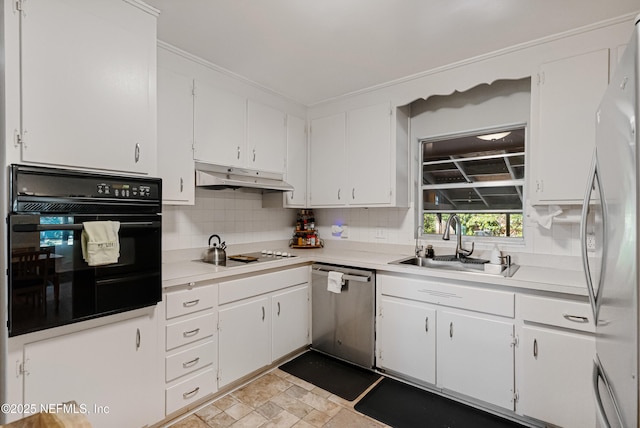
314, 50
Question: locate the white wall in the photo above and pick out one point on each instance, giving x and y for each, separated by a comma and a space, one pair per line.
236, 216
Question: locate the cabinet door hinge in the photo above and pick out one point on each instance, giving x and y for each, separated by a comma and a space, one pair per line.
516, 397
22, 367
515, 341
17, 139
193, 88
218, 376
541, 78
18, 6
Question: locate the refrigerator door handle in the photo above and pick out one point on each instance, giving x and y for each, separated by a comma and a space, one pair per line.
598, 374
594, 296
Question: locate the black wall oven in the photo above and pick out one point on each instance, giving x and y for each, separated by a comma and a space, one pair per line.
50, 283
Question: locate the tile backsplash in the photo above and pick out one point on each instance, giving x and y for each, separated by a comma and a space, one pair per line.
239, 218
236, 216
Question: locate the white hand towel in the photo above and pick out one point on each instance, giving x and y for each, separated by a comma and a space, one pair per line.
334, 282
100, 242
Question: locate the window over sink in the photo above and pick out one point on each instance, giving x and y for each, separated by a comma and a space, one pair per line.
478, 175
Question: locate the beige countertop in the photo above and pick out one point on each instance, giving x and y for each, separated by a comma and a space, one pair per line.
181, 269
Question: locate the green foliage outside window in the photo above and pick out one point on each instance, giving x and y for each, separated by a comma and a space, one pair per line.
505, 225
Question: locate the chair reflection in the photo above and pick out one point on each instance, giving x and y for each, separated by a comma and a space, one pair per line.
33, 271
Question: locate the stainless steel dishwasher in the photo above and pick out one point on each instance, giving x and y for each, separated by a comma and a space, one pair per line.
343, 323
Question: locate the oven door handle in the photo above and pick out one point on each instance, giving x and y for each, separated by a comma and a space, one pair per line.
78, 226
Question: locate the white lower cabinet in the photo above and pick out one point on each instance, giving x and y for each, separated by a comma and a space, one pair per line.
290, 315
110, 370
456, 337
556, 355
191, 344
245, 342
407, 338
262, 318
476, 357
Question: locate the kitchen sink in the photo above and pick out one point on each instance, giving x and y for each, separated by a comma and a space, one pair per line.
465, 264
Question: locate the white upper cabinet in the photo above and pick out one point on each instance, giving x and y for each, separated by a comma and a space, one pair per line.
265, 138
356, 161
232, 130
175, 137
296, 171
369, 155
328, 162
220, 125
88, 85
569, 91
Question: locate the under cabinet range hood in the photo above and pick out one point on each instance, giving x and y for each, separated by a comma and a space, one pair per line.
226, 177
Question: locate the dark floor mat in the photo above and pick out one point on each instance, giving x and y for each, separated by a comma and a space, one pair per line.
404, 406
342, 379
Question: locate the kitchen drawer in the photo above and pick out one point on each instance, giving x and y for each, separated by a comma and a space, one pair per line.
477, 299
187, 331
190, 360
190, 390
191, 300
238, 289
557, 312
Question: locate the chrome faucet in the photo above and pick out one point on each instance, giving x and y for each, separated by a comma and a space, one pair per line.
460, 252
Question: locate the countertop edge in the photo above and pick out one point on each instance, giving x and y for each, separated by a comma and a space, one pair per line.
174, 272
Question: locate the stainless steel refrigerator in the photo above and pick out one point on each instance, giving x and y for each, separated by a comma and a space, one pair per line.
610, 218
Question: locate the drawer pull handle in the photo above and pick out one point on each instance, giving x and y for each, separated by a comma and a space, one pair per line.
263, 313
138, 339
278, 308
191, 333
576, 318
190, 303
535, 348
426, 324
191, 363
191, 393
451, 330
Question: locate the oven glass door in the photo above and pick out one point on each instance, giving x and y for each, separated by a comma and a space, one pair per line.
50, 283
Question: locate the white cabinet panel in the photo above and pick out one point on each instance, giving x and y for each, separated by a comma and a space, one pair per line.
265, 138
296, 173
175, 137
569, 93
189, 330
369, 155
290, 315
88, 85
219, 126
328, 161
190, 360
191, 300
556, 377
407, 339
113, 366
189, 391
476, 357
245, 338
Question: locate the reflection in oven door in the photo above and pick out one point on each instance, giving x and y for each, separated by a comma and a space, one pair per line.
52, 285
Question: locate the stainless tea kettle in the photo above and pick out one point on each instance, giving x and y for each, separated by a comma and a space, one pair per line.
215, 255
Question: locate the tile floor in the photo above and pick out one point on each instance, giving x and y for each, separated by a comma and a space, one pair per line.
278, 399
